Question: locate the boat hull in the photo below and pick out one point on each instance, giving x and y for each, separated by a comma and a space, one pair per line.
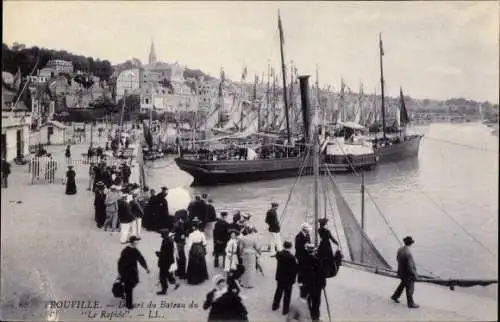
207, 173
407, 148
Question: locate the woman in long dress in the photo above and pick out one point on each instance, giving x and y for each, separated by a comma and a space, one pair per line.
325, 251
249, 252
196, 247
70, 181
231, 261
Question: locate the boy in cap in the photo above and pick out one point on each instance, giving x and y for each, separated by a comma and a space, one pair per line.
274, 229
407, 272
166, 258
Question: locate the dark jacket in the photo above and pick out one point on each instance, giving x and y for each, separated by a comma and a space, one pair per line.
272, 221
211, 213
166, 256
198, 209
125, 214
127, 265
311, 272
221, 231
406, 265
300, 241
286, 268
228, 307
136, 209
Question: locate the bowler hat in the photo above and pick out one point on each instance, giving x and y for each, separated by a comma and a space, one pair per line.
223, 214
164, 188
274, 204
133, 239
287, 244
232, 230
408, 240
322, 221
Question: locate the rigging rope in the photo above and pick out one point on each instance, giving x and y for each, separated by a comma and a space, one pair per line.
331, 204
378, 209
304, 162
461, 145
438, 206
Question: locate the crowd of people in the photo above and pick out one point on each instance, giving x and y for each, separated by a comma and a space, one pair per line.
182, 255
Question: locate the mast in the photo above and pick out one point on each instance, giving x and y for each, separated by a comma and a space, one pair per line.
268, 95
291, 106
311, 139
256, 80
382, 83
283, 75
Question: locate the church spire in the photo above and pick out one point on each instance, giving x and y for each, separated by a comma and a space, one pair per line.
152, 54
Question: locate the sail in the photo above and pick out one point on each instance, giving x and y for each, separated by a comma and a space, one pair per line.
360, 246
403, 113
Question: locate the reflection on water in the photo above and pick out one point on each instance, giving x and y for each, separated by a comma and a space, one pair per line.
452, 184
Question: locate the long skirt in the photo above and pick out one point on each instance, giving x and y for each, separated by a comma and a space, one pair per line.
71, 187
325, 254
197, 266
250, 263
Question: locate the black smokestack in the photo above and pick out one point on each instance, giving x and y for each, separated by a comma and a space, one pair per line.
304, 98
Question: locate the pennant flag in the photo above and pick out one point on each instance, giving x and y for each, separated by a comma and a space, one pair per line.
280, 28
244, 74
381, 45
403, 115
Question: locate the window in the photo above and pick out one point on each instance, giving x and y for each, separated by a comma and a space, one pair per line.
50, 130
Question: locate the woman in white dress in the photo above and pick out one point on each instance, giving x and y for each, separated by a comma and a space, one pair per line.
197, 249
249, 252
231, 261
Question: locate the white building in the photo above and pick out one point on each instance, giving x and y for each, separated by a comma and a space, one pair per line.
127, 81
15, 135
53, 132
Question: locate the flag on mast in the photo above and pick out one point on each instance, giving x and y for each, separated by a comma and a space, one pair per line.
381, 45
280, 28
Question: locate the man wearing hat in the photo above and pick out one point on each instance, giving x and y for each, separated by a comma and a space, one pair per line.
136, 209
111, 201
211, 218
313, 279
99, 204
286, 274
166, 258
301, 239
221, 237
125, 216
127, 268
164, 218
407, 272
274, 229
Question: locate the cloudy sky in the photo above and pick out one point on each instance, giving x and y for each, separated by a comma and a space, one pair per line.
433, 49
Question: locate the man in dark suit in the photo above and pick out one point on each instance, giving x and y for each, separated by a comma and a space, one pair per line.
407, 272
302, 238
286, 273
166, 258
313, 279
221, 237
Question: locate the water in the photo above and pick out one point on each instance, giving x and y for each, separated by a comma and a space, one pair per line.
452, 184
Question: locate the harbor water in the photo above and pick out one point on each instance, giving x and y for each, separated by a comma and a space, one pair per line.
447, 199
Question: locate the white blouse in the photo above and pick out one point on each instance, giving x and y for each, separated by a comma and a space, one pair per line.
195, 237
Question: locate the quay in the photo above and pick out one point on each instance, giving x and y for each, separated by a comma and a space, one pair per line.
53, 252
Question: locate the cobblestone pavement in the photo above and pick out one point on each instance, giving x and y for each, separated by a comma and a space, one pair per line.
52, 250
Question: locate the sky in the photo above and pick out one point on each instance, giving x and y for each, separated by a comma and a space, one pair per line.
432, 49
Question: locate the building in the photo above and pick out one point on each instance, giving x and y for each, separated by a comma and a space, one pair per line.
60, 66
15, 135
53, 132
127, 81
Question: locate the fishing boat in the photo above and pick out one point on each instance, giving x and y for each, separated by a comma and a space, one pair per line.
395, 143
284, 160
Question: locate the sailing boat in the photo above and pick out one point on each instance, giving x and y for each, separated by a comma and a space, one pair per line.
362, 252
399, 145
277, 160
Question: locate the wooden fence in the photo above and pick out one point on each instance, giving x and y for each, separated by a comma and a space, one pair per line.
53, 170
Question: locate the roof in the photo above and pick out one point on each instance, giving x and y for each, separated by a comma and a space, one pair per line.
56, 124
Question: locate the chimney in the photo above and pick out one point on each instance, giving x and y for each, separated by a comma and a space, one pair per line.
306, 113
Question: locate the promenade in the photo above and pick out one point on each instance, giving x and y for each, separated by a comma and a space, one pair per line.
53, 251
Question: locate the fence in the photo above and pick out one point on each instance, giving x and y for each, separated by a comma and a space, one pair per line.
53, 170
